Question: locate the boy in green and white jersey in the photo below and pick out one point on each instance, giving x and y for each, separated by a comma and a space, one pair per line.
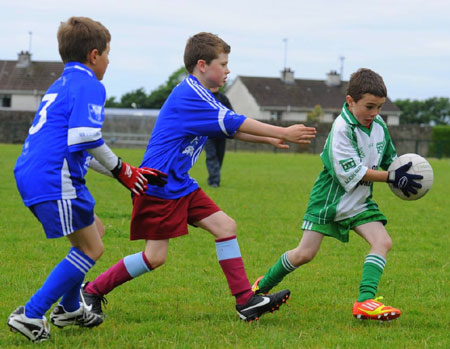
341, 199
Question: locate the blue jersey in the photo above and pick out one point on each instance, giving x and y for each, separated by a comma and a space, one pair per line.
54, 160
189, 116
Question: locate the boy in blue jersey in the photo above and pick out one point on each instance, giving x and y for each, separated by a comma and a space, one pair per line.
189, 116
63, 141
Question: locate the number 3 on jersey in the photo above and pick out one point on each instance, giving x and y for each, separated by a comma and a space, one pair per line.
48, 99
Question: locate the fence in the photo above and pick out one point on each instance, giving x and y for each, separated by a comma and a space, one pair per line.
134, 130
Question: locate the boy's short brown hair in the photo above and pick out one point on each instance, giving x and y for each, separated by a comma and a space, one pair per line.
80, 35
366, 81
204, 46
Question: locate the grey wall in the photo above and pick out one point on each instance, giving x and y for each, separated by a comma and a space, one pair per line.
134, 131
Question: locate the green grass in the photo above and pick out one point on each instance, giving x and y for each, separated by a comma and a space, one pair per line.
186, 303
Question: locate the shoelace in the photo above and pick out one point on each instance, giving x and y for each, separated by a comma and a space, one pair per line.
105, 301
378, 299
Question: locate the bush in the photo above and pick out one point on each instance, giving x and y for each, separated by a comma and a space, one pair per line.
440, 145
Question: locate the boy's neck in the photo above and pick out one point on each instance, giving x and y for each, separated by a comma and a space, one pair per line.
201, 79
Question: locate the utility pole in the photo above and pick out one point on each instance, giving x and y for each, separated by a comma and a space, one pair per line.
342, 58
285, 52
30, 33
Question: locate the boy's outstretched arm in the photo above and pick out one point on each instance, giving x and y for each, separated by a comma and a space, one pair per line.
298, 133
246, 137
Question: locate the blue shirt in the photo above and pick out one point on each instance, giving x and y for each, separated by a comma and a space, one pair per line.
68, 121
189, 116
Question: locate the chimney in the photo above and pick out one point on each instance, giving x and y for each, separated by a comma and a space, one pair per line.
24, 59
287, 76
333, 78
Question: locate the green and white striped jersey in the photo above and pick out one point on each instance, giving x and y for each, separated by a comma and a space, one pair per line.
350, 150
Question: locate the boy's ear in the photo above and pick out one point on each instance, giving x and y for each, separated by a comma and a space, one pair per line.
92, 56
349, 99
201, 64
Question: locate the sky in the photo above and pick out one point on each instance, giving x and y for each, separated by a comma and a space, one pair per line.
405, 41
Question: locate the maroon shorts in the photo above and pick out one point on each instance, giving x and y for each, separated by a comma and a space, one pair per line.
154, 218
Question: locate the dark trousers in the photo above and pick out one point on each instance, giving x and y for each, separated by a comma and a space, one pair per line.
215, 152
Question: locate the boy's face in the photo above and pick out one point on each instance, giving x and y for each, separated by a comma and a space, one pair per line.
215, 73
100, 63
366, 108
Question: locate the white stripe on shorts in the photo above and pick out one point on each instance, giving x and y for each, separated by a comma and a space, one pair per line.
307, 225
65, 216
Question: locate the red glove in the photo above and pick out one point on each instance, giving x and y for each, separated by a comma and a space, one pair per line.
131, 177
153, 176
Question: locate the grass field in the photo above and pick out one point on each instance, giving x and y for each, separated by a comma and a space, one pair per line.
186, 303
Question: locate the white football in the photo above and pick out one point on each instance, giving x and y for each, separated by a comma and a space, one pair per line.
419, 166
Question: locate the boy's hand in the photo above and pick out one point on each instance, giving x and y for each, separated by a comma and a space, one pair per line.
154, 177
278, 143
130, 177
403, 180
299, 134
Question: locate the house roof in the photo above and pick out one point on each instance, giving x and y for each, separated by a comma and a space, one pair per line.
34, 76
273, 92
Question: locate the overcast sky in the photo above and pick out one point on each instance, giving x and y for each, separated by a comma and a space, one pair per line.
406, 41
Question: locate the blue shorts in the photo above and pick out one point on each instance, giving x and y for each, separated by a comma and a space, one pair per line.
63, 217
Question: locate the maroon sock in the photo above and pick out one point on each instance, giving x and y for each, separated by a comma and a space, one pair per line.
233, 267
126, 269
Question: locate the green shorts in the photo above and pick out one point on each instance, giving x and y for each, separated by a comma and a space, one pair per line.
340, 229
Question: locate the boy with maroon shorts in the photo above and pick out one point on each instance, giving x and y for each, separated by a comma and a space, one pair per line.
190, 115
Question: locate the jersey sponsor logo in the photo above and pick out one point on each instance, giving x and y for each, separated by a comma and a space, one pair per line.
367, 183
95, 113
189, 150
87, 162
347, 164
353, 175
361, 153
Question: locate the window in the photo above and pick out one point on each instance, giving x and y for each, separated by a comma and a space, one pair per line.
5, 101
276, 115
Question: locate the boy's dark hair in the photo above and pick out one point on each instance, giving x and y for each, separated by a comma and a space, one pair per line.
366, 81
80, 35
204, 46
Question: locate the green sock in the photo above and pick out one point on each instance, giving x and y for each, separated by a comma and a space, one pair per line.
372, 270
276, 273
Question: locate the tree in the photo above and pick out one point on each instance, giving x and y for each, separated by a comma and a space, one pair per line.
315, 114
111, 103
135, 99
438, 110
158, 97
139, 99
430, 111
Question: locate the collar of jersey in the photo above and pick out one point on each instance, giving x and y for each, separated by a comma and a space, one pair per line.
350, 119
79, 67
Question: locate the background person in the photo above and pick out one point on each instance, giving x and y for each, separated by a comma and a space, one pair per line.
215, 147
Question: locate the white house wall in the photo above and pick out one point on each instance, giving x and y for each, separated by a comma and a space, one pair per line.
294, 116
25, 102
393, 120
242, 101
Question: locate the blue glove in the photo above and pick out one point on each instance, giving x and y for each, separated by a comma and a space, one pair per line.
403, 180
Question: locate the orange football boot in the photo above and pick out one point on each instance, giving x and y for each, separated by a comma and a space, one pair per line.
374, 310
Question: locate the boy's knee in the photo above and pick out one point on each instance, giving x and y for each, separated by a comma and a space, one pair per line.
94, 252
384, 245
156, 260
387, 244
231, 227
100, 228
227, 228
301, 256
